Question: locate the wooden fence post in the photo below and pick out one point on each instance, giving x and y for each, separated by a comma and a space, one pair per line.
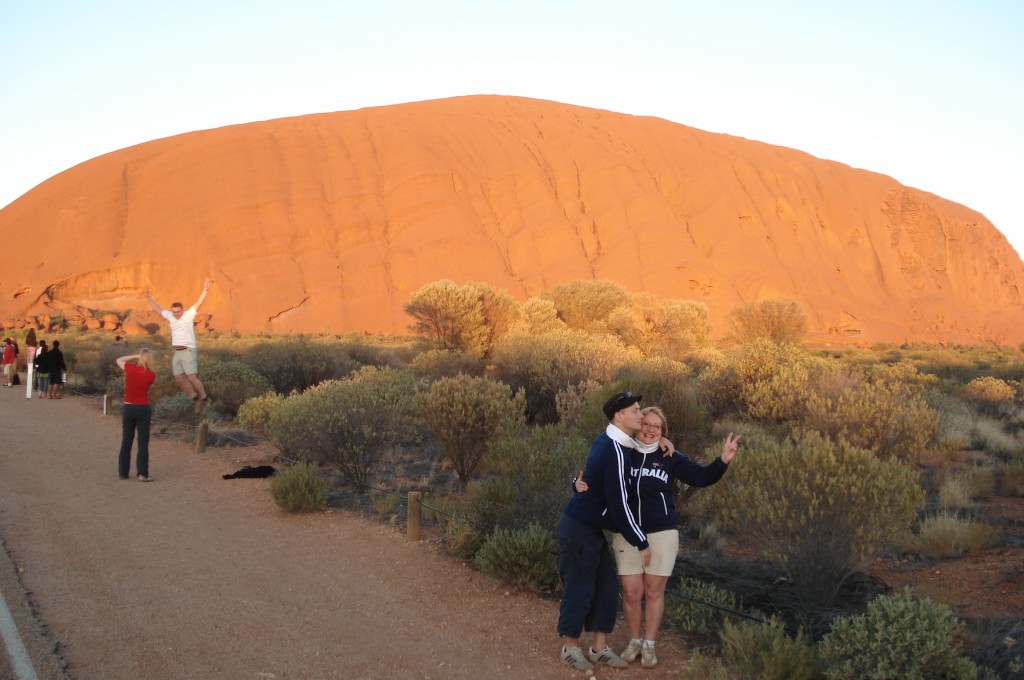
204, 427
415, 512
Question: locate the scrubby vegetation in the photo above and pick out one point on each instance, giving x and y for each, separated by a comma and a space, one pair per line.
489, 410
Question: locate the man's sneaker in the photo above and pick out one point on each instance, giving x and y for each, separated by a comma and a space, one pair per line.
144, 478
607, 657
631, 651
573, 656
647, 657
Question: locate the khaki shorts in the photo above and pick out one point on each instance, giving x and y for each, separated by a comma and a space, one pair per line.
664, 550
185, 361
8, 369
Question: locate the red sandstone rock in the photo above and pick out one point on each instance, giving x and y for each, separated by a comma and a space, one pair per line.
331, 221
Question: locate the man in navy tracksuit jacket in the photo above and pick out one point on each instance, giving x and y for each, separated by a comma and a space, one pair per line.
590, 586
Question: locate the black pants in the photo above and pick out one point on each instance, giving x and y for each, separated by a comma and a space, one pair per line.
135, 418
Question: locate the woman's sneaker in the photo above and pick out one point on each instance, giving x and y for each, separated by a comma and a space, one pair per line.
573, 656
647, 656
631, 651
607, 657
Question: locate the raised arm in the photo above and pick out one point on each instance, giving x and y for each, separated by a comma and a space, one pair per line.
202, 296
153, 304
121, 361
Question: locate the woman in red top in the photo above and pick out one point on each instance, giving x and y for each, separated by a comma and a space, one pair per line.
138, 378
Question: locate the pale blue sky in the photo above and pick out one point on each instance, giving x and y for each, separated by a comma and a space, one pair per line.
931, 93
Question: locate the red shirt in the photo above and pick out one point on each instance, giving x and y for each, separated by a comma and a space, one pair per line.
8, 354
137, 381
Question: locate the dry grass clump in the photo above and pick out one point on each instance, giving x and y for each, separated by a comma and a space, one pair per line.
948, 535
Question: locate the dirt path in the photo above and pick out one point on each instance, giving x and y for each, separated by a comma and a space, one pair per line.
193, 576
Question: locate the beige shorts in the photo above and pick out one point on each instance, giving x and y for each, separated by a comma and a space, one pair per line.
9, 369
664, 550
185, 361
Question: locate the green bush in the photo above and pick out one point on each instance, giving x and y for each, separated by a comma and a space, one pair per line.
231, 383
767, 652
530, 477
816, 507
993, 395
463, 539
667, 328
468, 318
585, 304
177, 408
294, 365
435, 364
349, 424
779, 320
466, 414
299, 488
685, 605
887, 417
525, 557
544, 365
256, 413
898, 637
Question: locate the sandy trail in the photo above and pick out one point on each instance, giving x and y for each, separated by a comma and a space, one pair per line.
193, 576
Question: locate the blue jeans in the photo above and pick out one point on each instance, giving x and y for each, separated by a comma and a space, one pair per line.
590, 588
134, 418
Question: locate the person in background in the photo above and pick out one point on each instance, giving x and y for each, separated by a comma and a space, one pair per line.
185, 360
57, 367
137, 414
8, 362
589, 587
42, 369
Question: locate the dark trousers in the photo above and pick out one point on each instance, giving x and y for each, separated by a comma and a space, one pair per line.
134, 418
590, 587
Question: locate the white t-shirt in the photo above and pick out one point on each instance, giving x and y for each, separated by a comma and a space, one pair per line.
183, 330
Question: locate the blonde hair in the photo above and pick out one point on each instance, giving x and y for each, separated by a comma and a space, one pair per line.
146, 358
661, 414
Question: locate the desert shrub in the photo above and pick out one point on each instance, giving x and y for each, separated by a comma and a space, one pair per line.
584, 304
572, 403
544, 365
997, 647
898, 637
767, 652
817, 507
525, 557
177, 408
466, 414
468, 318
231, 383
778, 320
299, 488
531, 475
783, 394
947, 535
445, 363
669, 328
685, 605
256, 413
297, 364
701, 667
462, 538
993, 395
724, 376
670, 385
539, 316
890, 418
348, 424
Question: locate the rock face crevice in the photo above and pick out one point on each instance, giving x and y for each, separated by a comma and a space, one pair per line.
331, 221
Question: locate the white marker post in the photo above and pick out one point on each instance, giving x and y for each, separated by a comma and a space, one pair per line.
31, 373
